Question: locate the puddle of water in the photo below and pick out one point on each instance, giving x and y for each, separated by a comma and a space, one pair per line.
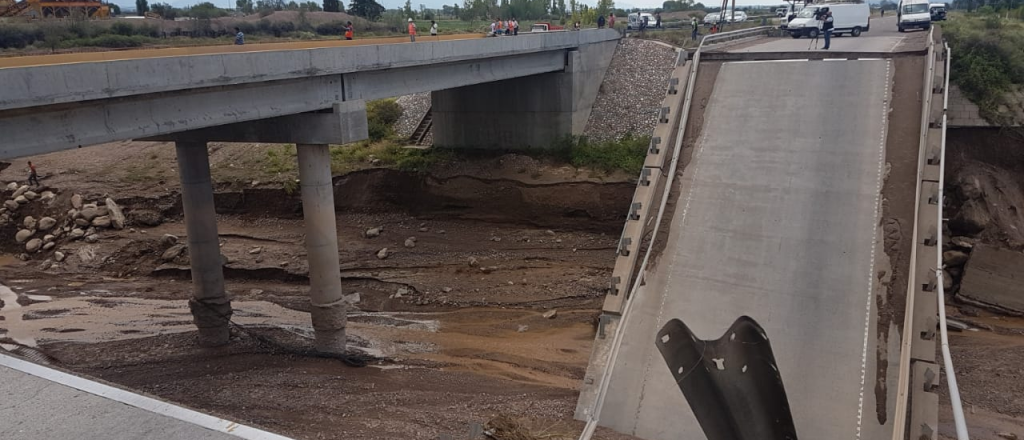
106, 317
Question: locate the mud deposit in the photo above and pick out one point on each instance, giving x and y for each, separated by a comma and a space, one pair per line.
454, 323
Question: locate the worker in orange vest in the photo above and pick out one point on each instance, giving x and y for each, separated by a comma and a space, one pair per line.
412, 31
349, 32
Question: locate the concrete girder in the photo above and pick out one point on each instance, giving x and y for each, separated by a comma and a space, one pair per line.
345, 123
57, 128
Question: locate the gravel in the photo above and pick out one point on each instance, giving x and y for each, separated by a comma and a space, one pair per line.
632, 91
414, 107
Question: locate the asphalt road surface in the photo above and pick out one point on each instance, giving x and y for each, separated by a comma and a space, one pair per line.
883, 37
777, 219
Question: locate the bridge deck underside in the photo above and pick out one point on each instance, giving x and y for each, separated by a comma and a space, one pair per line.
777, 219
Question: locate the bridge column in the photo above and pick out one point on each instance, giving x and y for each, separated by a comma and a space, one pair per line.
328, 307
210, 306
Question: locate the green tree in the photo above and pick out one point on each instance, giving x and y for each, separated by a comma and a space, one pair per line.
605, 6
165, 11
206, 11
407, 10
368, 9
246, 6
141, 7
333, 6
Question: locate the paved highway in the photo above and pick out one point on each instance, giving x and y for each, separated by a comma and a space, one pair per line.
114, 55
883, 37
777, 220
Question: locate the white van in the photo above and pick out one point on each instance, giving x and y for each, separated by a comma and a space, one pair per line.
634, 20
913, 14
847, 18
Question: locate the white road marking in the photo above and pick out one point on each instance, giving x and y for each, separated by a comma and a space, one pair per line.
874, 241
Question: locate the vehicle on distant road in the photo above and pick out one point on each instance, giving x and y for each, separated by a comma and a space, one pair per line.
938, 11
545, 27
913, 14
848, 18
781, 12
726, 16
634, 20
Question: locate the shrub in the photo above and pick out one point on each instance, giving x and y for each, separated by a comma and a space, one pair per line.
246, 27
17, 37
332, 28
122, 28
626, 154
109, 40
381, 116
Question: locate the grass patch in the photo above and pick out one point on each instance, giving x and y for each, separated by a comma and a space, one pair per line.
387, 153
280, 160
988, 63
626, 154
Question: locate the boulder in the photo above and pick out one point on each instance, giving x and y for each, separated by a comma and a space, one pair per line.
76, 201
30, 222
76, 234
410, 242
81, 222
23, 235
973, 217
372, 232
473, 262
21, 200
47, 196
47, 223
48, 238
173, 252
49, 246
31, 195
89, 211
21, 190
954, 258
59, 256
145, 217
11, 205
33, 245
382, 254
116, 216
13, 186
550, 314
102, 221
92, 238
169, 240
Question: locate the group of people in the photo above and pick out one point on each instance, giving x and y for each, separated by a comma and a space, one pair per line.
412, 29
505, 27
601, 22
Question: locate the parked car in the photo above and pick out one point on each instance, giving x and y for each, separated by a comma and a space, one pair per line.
727, 17
913, 14
545, 27
781, 12
847, 18
938, 11
635, 19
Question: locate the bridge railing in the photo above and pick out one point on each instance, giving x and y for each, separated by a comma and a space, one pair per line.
738, 34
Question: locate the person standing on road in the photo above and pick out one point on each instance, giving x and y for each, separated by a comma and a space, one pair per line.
349, 31
33, 178
611, 20
515, 26
412, 31
433, 28
600, 22
826, 26
239, 37
881, 11
657, 21
693, 28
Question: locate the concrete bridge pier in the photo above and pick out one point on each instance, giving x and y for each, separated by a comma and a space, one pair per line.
328, 311
210, 306
312, 133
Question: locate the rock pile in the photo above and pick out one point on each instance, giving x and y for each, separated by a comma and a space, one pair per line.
632, 91
82, 221
413, 109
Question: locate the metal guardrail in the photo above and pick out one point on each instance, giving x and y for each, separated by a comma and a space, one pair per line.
954, 391
732, 35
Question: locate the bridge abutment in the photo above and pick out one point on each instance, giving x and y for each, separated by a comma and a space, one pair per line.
523, 113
